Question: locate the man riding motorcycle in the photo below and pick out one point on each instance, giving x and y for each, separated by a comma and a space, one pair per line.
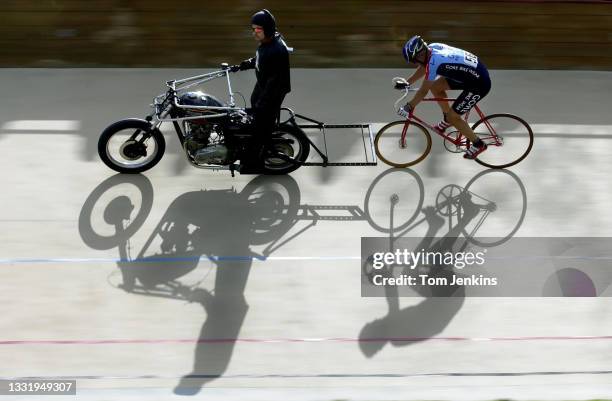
271, 63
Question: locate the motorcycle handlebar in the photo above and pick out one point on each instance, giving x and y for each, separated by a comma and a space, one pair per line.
177, 85
203, 77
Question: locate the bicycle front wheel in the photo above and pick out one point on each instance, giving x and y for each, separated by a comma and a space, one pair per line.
509, 140
399, 150
502, 199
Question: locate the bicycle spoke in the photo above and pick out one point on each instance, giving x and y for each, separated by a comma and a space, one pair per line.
401, 145
394, 200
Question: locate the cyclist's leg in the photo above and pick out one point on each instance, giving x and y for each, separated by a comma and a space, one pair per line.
473, 92
464, 103
438, 89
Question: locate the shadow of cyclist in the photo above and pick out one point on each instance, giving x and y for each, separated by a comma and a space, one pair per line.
403, 326
220, 225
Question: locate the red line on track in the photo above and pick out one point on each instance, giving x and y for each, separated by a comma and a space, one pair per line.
297, 340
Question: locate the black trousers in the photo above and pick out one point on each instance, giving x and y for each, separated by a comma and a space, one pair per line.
264, 123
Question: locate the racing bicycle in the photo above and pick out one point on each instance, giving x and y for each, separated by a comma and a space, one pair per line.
407, 142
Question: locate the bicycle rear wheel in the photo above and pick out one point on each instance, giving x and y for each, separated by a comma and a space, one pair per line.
509, 139
397, 153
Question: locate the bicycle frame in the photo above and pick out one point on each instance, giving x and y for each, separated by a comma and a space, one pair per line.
457, 140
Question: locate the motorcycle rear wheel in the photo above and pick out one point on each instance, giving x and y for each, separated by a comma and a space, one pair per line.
291, 142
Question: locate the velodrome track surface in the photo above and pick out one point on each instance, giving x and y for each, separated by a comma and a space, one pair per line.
293, 325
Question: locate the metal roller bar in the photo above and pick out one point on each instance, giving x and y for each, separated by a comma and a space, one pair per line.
322, 127
365, 150
310, 212
374, 158
333, 126
339, 164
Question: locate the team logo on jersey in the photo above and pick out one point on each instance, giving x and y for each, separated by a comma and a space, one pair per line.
470, 59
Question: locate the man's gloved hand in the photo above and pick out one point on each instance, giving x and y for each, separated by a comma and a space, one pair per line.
245, 65
405, 110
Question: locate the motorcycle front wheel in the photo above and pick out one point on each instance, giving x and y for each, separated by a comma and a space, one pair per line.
131, 146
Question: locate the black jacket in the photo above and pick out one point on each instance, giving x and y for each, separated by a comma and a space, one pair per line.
271, 65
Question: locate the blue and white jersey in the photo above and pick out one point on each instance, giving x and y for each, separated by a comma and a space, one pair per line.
455, 64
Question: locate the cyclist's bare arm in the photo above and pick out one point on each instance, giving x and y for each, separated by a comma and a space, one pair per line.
418, 74
421, 93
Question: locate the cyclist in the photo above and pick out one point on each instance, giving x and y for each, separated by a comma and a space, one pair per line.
271, 63
448, 68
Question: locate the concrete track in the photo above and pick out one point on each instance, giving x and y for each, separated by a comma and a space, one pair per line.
235, 325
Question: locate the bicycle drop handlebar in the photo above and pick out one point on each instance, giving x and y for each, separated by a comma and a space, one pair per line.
400, 83
406, 90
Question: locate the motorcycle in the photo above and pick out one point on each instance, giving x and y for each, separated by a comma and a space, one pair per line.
213, 135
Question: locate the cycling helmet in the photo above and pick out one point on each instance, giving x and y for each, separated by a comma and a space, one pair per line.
265, 19
413, 47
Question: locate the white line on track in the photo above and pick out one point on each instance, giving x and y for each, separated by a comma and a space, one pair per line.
42, 125
571, 129
13, 261
171, 260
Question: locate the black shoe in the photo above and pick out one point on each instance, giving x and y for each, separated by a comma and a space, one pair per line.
473, 151
251, 168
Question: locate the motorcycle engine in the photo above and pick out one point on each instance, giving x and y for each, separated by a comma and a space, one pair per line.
205, 144
204, 140
213, 154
